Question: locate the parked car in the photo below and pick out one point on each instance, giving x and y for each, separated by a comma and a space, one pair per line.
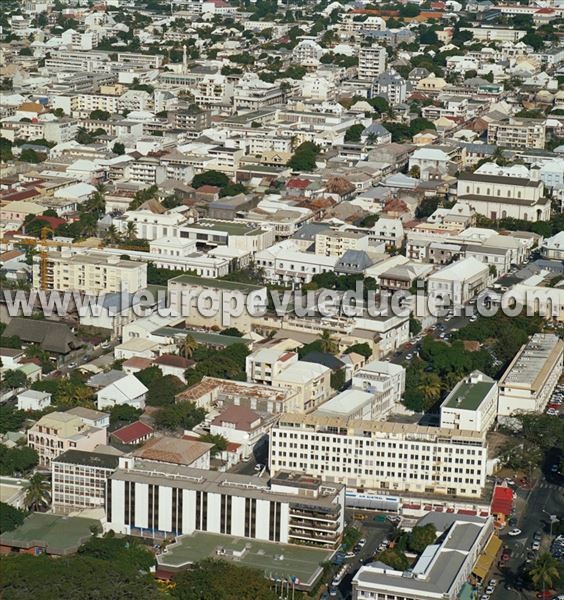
535, 546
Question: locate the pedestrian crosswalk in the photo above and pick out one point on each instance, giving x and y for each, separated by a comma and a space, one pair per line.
550, 486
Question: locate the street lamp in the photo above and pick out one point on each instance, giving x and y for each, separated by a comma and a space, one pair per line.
553, 519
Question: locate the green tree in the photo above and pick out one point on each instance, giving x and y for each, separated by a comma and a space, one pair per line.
354, 133
421, 537
123, 414
545, 572
162, 392
10, 517
220, 580
118, 148
149, 376
100, 115
131, 230
304, 158
430, 388
30, 155
186, 346
11, 419
124, 552
231, 331
364, 349
13, 379
395, 559
328, 342
17, 460
183, 415
218, 441
215, 178
37, 493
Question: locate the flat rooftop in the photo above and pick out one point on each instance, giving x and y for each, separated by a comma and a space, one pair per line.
298, 561
469, 396
229, 227
214, 283
534, 362
58, 535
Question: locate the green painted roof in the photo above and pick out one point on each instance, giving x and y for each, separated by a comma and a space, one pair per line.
469, 396
216, 283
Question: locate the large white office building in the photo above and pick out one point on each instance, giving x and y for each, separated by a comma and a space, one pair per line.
530, 379
154, 499
376, 455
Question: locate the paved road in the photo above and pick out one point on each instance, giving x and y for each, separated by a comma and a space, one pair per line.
532, 508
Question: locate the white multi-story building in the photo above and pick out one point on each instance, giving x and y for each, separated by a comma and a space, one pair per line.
150, 225
459, 282
91, 271
391, 86
154, 499
307, 53
79, 479
530, 379
284, 263
472, 404
371, 62
385, 380
379, 455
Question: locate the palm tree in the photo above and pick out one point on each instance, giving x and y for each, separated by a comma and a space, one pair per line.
430, 387
112, 234
131, 230
37, 493
545, 573
187, 346
327, 343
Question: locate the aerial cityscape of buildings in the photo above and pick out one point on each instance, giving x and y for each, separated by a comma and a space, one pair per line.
282, 299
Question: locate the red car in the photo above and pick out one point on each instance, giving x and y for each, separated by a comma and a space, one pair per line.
545, 595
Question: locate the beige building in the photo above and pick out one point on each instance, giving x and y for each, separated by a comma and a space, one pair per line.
530, 379
92, 271
518, 133
376, 455
336, 243
371, 62
58, 432
311, 381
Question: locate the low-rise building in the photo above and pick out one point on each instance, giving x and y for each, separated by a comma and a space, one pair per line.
472, 404
530, 379
33, 400
443, 568
126, 390
383, 379
262, 365
459, 282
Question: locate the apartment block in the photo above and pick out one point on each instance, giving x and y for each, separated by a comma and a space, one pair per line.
91, 271
530, 379
518, 133
385, 456
154, 499
311, 382
57, 432
371, 62
336, 243
79, 480
264, 365
472, 404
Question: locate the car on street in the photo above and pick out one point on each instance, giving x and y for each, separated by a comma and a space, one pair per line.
546, 595
514, 532
333, 592
535, 546
71, 365
258, 467
537, 536
490, 589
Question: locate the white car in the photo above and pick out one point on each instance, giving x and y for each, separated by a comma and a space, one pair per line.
258, 467
409, 356
535, 546
490, 589
514, 532
492, 583
361, 542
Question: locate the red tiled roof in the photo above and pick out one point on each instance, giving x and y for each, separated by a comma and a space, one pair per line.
53, 222
138, 362
173, 360
240, 416
502, 500
545, 11
23, 195
208, 189
297, 183
131, 433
